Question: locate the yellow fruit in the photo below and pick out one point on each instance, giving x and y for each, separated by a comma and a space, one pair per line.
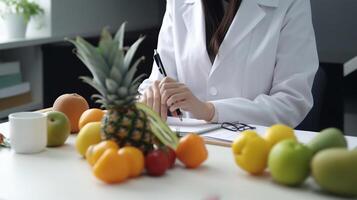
90, 115
251, 152
135, 159
94, 151
277, 133
111, 167
88, 135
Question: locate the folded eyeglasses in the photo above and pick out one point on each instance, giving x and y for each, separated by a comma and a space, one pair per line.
236, 126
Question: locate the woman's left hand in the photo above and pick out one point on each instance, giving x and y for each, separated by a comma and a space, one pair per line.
179, 96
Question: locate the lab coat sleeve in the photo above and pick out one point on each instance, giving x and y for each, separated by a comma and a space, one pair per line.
290, 98
165, 48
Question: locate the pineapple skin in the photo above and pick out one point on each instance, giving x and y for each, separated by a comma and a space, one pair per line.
128, 126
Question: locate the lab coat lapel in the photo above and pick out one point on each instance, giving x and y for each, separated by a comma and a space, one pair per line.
248, 16
193, 17
188, 14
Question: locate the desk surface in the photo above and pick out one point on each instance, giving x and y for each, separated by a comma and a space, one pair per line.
60, 173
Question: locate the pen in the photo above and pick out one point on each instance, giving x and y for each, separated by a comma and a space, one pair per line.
163, 72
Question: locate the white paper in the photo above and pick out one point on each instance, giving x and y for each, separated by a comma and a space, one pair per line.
188, 125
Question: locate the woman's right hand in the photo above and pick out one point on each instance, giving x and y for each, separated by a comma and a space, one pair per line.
152, 98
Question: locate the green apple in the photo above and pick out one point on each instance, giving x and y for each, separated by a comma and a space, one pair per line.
335, 170
289, 162
327, 138
58, 128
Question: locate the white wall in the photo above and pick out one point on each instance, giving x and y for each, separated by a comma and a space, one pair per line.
90, 16
87, 17
335, 24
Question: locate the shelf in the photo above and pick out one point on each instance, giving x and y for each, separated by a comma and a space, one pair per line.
26, 107
36, 41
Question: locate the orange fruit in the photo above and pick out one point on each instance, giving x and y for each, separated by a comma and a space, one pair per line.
111, 167
135, 159
90, 115
191, 151
72, 105
94, 152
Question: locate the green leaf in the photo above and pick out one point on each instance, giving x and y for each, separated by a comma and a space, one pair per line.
122, 92
89, 52
137, 79
118, 102
111, 85
98, 76
90, 57
102, 102
106, 35
108, 47
130, 75
133, 90
119, 62
97, 96
119, 36
95, 85
131, 52
23, 7
116, 75
112, 97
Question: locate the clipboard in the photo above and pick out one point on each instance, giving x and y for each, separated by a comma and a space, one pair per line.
199, 127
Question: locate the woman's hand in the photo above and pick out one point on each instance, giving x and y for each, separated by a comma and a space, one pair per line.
152, 98
179, 96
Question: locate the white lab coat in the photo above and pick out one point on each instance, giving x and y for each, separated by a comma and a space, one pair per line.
265, 67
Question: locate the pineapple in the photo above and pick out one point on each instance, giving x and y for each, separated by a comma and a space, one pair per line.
126, 122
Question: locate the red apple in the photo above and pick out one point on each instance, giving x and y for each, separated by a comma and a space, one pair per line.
156, 162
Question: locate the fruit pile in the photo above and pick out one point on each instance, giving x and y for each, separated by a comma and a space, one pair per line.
289, 162
113, 164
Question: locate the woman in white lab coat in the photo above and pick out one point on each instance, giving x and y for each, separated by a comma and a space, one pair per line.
251, 61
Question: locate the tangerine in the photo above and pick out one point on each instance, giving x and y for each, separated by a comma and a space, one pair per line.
135, 159
90, 115
191, 151
111, 167
72, 105
94, 151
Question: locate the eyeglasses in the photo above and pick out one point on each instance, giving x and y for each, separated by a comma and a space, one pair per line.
236, 126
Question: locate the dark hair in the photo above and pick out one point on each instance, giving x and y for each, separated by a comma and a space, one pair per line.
218, 22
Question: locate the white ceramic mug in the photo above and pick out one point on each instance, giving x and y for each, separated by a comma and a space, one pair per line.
28, 132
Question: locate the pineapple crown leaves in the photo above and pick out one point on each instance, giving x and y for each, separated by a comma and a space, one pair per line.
110, 64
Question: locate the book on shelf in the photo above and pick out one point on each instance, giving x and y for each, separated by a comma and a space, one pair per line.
10, 74
10, 80
14, 101
9, 68
14, 90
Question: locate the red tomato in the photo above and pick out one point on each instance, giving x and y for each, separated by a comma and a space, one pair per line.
156, 162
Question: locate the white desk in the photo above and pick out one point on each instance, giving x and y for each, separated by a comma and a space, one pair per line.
60, 173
